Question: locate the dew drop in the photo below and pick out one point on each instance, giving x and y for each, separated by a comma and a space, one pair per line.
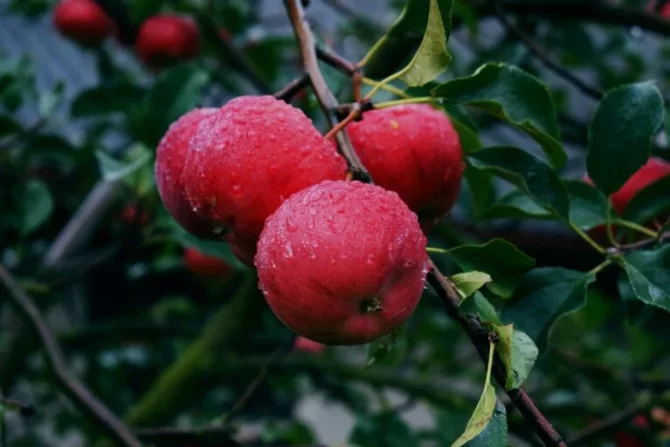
288, 250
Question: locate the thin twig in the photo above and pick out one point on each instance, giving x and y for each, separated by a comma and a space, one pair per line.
335, 60
19, 407
542, 55
86, 401
605, 426
303, 34
647, 243
292, 88
445, 290
274, 359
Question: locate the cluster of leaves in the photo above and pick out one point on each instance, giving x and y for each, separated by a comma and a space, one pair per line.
590, 331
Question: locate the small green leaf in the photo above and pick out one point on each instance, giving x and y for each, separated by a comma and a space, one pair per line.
49, 101
620, 135
649, 203
501, 260
649, 275
495, 433
512, 95
468, 283
515, 205
397, 46
383, 347
484, 409
544, 295
432, 56
37, 206
518, 352
135, 158
105, 99
528, 173
588, 206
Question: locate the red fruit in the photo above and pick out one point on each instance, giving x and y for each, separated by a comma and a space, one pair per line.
129, 215
652, 171
342, 262
82, 20
247, 159
414, 151
205, 266
170, 160
625, 439
306, 345
166, 38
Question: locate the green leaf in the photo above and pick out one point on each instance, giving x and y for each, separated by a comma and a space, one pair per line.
501, 260
515, 205
135, 158
620, 135
106, 99
649, 275
468, 283
49, 101
588, 206
383, 347
528, 173
385, 429
544, 295
177, 91
432, 57
512, 95
37, 206
480, 186
393, 50
484, 409
518, 352
650, 203
216, 249
495, 433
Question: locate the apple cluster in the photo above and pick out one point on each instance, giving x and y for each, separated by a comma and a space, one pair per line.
339, 262
161, 39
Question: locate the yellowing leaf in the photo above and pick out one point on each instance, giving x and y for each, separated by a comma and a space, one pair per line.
468, 283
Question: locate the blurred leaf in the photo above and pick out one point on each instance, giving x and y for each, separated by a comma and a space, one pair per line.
106, 99
499, 258
37, 206
621, 133
432, 57
50, 100
468, 283
177, 91
294, 433
515, 205
481, 188
528, 173
385, 429
544, 295
381, 348
389, 54
518, 353
651, 202
588, 206
135, 158
649, 275
514, 96
30, 8
495, 433
483, 411
9, 126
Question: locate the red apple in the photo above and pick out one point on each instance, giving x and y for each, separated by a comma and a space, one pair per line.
82, 20
414, 151
342, 262
249, 157
163, 39
205, 266
308, 346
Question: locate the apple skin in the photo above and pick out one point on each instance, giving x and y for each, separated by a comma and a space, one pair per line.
342, 263
165, 38
308, 346
82, 21
170, 160
415, 151
249, 157
204, 266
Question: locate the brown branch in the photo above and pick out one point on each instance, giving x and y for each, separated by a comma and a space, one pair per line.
543, 57
327, 100
292, 88
647, 243
336, 61
444, 289
86, 401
